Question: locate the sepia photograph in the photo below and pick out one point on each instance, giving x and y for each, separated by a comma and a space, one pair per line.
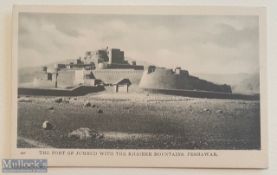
118, 81
138, 81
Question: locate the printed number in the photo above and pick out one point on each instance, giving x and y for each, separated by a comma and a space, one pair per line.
22, 153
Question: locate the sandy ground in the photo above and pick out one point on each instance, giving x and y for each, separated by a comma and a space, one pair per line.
143, 121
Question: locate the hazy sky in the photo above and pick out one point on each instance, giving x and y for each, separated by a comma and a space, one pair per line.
200, 44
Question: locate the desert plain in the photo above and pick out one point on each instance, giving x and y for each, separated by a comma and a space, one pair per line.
138, 121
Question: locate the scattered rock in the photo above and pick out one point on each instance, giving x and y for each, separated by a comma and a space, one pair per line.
47, 125
219, 111
100, 136
75, 98
85, 134
81, 133
87, 104
100, 111
93, 105
206, 109
58, 100
51, 108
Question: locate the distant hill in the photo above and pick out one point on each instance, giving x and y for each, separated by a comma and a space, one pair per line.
250, 85
240, 83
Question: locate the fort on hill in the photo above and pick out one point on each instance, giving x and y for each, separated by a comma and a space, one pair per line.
109, 67
102, 59
103, 66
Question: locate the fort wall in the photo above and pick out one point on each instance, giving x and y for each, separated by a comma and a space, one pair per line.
66, 78
41, 80
111, 76
162, 78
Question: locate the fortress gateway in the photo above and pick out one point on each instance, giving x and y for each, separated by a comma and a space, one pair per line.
109, 67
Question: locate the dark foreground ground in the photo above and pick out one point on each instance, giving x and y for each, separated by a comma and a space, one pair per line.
140, 121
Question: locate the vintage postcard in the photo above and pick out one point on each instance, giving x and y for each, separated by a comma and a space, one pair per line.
140, 86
